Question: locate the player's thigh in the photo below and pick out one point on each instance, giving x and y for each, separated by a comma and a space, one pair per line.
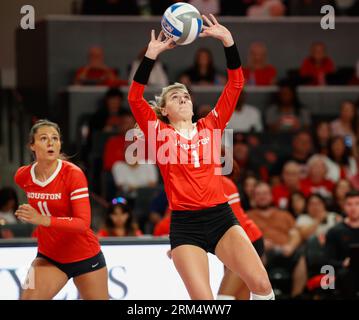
93, 285
237, 253
191, 263
44, 280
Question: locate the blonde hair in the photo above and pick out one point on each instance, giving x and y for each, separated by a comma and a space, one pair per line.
159, 103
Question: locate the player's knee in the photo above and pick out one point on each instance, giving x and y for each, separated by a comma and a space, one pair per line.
261, 284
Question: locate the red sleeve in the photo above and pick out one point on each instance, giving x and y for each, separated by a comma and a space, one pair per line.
141, 109
103, 233
222, 112
19, 177
80, 205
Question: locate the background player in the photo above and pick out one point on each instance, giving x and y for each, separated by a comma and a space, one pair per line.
59, 205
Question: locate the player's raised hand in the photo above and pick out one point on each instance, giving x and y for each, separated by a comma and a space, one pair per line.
158, 45
215, 30
27, 213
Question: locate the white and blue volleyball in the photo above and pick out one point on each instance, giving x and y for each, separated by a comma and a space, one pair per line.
182, 23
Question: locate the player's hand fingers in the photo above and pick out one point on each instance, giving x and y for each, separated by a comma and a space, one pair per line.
160, 36
153, 36
213, 18
209, 22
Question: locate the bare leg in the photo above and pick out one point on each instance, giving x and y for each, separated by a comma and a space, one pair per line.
45, 281
191, 263
93, 285
299, 277
238, 254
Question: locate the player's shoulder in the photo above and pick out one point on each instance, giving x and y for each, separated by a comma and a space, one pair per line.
229, 185
22, 175
70, 168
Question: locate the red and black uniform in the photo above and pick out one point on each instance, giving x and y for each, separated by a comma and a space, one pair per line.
64, 198
194, 187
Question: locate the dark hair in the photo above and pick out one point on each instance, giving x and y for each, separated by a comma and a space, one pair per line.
347, 151
354, 124
113, 92
277, 97
7, 194
351, 194
129, 225
318, 196
290, 202
211, 72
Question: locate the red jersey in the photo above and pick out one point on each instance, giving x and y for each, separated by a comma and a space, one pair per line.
196, 184
234, 201
317, 73
261, 77
64, 198
114, 151
325, 187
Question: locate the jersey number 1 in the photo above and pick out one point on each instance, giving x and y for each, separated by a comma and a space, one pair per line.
43, 208
196, 158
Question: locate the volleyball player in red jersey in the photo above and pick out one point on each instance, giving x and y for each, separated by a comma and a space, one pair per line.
58, 204
202, 221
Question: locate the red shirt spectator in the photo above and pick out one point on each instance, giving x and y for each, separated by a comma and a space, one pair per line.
324, 187
114, 151
317, 65
258, 71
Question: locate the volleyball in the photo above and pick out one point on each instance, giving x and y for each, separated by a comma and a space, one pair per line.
182, 22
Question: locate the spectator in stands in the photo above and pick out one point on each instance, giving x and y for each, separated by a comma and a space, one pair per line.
115, 146
203, 71
158, 75
281, 237
96, 72
340, 161
339, 247
302, 147
291, 182
158, 208
306, 7
107, 118
133, 173
286, 114
246, 118
316, 182
241, 154
347, 125
119, 221
266, 8
318, 220
8, 206
297, 204
322, 135
317, 65
342, 187
110, 7
258, 72
247, 191
207, 6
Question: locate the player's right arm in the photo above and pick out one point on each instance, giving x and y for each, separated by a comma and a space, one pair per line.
141, 110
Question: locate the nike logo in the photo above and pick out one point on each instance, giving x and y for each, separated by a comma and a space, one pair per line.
95, 265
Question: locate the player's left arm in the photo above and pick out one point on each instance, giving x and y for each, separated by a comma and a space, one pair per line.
227, 102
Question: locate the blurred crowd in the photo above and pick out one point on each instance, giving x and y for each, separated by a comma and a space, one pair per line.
250, 8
